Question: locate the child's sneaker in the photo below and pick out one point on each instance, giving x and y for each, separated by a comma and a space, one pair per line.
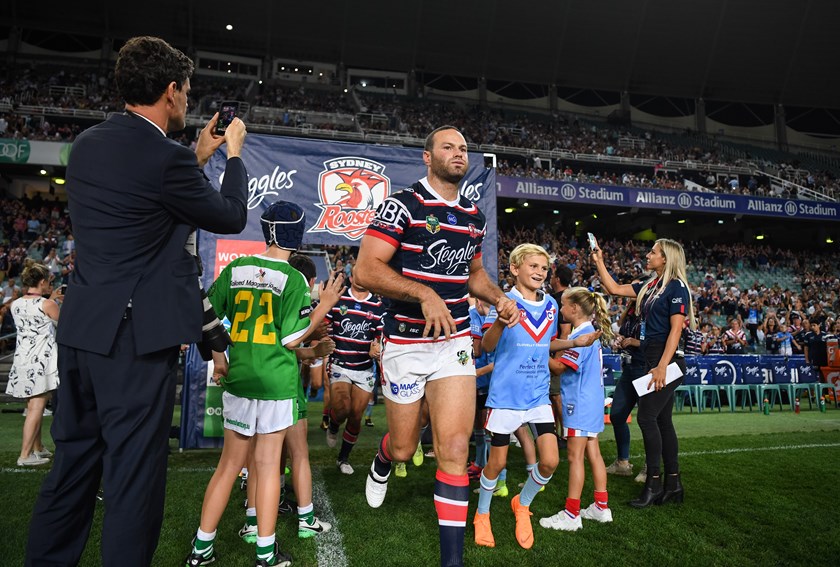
248, 533
483, 531
368, 422
642, 476
280, 559
562, 520
306, 530
619, 469
345, 467
400, 470
417, 458
603, 515
196, 559
474, 471
524, 531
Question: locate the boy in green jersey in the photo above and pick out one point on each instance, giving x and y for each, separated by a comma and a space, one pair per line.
268, 304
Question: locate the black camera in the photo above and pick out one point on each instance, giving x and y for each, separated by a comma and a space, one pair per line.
214, 336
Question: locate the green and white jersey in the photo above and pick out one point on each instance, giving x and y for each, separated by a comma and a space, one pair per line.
268, 304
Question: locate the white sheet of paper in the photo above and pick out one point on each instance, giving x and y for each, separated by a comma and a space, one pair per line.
641, 384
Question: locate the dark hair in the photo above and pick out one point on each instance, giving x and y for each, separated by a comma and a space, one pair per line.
145, 67
33, 273
564, 275
303, 264
430, 139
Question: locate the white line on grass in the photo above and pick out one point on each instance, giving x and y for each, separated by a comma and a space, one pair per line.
329, 546
321, 490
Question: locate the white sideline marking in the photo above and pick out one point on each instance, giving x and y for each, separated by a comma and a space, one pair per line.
750, 449
322, 494
329, 547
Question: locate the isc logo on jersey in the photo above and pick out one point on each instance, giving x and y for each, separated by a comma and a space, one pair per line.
350, 189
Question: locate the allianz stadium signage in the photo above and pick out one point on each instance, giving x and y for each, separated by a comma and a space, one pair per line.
687, 201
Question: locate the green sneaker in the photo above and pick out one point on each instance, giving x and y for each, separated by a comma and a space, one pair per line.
400, 470
417, 459
248, 533
306, 530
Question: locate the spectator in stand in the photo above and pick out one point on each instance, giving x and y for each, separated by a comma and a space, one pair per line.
734, 338
34, 372
816, 353
799, 330
771, 328
10, 290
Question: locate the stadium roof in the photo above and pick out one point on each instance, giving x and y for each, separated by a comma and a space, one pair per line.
750, 51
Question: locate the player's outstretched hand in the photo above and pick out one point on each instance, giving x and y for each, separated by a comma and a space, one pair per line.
331, 290
439, 320
586, 339
325, 347
508, 312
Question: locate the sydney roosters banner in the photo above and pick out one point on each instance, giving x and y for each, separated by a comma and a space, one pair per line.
339, 185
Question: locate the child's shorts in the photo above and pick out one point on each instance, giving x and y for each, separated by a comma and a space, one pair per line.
249, 417
579, 433
364, 379
506, 421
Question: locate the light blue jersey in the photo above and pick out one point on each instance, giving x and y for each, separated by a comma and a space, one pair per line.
521, 375
477, 326
582, 386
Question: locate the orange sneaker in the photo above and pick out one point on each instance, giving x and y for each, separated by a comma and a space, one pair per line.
524, 531
483, 531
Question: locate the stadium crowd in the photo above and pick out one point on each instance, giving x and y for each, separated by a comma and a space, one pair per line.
91, 89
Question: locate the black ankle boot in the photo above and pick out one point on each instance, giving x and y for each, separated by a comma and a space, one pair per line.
651, 494
673, 489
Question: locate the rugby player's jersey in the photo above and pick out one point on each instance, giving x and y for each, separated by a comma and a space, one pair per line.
477, 327
521, 375
268, 304
582, 385
354, 324
435, 241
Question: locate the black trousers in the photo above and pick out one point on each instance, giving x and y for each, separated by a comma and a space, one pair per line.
111, 424
654, 417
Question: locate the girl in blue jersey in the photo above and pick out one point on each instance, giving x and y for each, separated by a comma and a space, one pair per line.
518, 392
582, 391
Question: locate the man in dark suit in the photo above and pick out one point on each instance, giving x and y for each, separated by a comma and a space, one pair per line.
133, 298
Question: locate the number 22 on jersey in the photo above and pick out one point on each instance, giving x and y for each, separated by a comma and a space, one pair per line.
262, 325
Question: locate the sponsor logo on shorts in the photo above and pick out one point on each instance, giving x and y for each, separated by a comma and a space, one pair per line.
463, 357
405, 390
235, 423
570, 409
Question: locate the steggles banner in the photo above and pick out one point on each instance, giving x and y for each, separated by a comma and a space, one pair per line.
339, 185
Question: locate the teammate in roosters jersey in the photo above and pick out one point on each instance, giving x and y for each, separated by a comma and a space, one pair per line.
423, 252
355, 324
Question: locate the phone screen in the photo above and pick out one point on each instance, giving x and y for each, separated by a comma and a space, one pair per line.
227, 112
592, 244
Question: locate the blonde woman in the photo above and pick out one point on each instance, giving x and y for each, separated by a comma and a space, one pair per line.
664, 303
34, 372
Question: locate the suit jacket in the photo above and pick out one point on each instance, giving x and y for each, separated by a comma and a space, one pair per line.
134, 197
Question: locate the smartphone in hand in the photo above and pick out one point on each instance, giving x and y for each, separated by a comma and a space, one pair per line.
227, 112
593, 244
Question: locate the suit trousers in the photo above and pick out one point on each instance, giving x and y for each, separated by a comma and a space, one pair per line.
111, 424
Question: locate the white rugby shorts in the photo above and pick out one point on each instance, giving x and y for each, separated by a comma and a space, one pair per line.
506, 421
249, 417
407, 367
364, 379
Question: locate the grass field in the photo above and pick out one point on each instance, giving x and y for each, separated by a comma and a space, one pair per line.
759, 491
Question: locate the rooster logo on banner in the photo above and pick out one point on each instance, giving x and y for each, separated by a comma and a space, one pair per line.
350, 189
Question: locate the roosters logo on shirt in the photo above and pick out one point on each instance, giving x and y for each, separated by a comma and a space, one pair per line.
350, 189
